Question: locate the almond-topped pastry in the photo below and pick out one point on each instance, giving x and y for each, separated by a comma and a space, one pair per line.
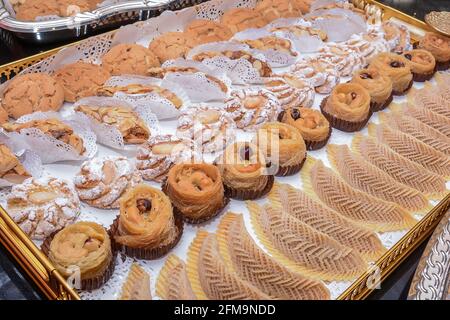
312, 125
347, 108
10, 167
262, 67
86, 246
170, 45
211, 128
53, 128
81, 79
43, 206
300, 31
147, 227
271, 43
439, 46
422, 64
378, 85
28, 93
133, 129
291, 90
244, 171
238, 19
155, 158
129, 59
345, 59
252, 107
202, 31
274, 9
398, 35
320, 73
109, 91
283, 145
395, 67
196, 191
102, 181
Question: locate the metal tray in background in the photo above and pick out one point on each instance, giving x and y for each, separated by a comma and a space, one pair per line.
88, 23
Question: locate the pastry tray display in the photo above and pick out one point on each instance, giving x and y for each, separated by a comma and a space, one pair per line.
397, 244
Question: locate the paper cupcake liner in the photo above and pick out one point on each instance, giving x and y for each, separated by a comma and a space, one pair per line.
93, 283
147, 253
401, 93
239, 194
442, 66
316, 145
422, 77
343, 125
375, 107
290, 170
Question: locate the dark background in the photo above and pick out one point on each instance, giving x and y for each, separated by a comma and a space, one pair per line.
14, 286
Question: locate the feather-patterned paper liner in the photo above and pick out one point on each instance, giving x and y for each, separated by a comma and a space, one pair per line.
429, 98
411, 148
306, 250
372, 212
430, 118
443, 84
298, 204
209, 276
173, 282
366, 177
398, 167
249, 261
417, 129
137, 285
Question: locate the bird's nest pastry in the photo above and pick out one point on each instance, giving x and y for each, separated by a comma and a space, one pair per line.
202, 31
422, 64
439, 46
170, 45
377, 84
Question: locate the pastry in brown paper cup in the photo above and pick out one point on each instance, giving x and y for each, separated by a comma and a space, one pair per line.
206, 218
290, 170
93, 283
249, 194
442, 66
375, 107
418, 77
401, 93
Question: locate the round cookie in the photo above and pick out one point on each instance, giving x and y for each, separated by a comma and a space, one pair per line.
30, 9
81, 79
239, 19
129, 59
204, 31
32, 92
170, 45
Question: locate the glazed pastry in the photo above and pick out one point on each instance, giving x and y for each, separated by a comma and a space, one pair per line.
170, 45
283, 145
302, 248
274, 9
155, 158
271, 43
312, 125
439, 46
202, 31
262, 67
81, 79
395, 67
129, 59
211, 128
252, 107
238, 19
243, 170
53, 128
173, 282
137, 285
147, 227
291, 91
319, 73
102, 181
347, 108
10, 167
397, 35
196, 191
133, 129
43, 206
29, 93
342, 57
364, 209
378, 85
422, 64
241, 253
366, 177
300, 31
109, 91
87, 246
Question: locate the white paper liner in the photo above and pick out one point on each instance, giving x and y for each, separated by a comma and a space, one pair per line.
49, 149
107, 134
160, 106
339, 28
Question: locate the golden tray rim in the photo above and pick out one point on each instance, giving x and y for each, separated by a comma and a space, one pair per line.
53, 286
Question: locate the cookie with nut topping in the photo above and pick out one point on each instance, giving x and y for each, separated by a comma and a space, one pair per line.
129, 59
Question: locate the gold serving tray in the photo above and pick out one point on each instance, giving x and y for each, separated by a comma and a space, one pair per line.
53, 285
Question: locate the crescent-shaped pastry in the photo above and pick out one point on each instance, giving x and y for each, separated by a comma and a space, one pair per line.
137, 285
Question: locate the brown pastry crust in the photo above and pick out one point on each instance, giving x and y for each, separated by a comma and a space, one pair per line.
129, 59
422, 64
53, 128
274, 9
312, 125
439, 46
81, 79
10, 167
397, 68
30, 9
29, 93
378, 85
238, 19
171, 45
202, 31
